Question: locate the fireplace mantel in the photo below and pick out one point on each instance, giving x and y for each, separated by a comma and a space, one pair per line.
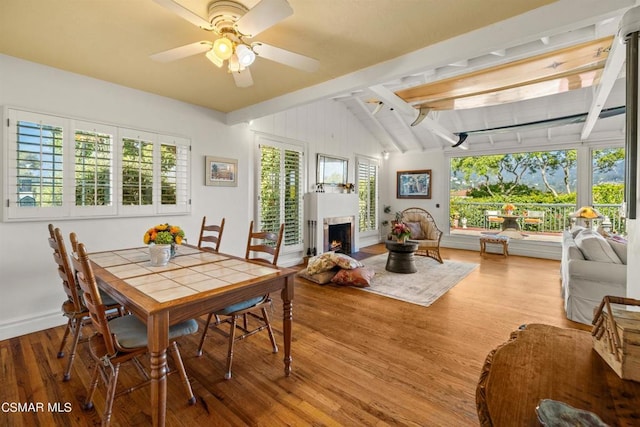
319, 206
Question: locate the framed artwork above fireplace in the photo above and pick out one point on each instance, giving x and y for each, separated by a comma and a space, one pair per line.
331, 170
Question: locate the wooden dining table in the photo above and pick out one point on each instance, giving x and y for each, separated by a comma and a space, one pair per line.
193, 283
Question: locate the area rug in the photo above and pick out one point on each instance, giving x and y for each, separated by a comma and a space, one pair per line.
424, 287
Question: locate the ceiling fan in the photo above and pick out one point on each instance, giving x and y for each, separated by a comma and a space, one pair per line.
233, 24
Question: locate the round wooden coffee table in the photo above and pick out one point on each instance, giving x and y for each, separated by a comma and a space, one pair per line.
400, 258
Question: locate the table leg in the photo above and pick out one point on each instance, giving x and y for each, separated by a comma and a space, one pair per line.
158, 341
287, 321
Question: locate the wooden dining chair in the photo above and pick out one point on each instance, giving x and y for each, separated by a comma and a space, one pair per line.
120, 340
210, 235
265, 244
73, 308
254, 309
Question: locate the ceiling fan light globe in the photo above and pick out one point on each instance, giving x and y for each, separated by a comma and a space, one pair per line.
223, 47
211, 56
245, 55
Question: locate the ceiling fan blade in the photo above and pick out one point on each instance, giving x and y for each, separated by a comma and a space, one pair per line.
243, 78
181, 52
262, 16
286, 57
185, 13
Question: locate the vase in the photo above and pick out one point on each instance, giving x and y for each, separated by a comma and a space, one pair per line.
159, 255
174, 250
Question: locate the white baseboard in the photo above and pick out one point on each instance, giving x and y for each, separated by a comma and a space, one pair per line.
17, 327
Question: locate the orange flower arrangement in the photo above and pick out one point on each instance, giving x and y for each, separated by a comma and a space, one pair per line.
164, 234
509, 207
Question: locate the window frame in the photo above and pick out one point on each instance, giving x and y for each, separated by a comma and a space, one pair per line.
84, 211
13, 212
370, 162
282, 147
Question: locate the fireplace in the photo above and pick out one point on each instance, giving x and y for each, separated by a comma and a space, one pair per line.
325, 209
338, 234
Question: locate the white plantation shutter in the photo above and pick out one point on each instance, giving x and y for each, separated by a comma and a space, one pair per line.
293, 197
136, 171
35, 165
94, 169
280, 188
367, 179
60, 167
174, 174
270, 206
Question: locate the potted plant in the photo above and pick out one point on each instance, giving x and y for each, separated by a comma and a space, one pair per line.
455, 218
509, 208
398, 217
401, 232
163, 240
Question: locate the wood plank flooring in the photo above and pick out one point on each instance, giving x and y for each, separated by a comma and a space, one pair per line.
359, 359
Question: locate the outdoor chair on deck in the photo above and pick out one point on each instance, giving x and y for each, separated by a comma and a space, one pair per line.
210, 235
534, 218
493, 218
120, 340
72, 307
424, 232
255, 308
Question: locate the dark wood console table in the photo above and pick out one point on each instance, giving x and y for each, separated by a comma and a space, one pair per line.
546, 362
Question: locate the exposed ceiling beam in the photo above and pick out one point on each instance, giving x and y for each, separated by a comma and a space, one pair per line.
381, 128
556, 17
610, 74
393, 100
413, 135
517, 80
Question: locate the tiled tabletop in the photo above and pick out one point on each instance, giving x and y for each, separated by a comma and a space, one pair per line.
189, 272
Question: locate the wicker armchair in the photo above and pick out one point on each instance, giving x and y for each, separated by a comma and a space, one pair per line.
424, 231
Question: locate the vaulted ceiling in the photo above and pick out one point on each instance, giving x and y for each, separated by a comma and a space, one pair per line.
370, 52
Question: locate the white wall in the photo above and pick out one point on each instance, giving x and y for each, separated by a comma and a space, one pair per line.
29, 285
436, 162
325, 127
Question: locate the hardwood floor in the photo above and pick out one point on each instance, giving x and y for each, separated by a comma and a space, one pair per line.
358, 358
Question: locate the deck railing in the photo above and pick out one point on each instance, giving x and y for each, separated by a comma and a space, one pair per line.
557, 217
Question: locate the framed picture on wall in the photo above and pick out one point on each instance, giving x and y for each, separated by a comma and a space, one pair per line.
221, 172
332, 170
414, 184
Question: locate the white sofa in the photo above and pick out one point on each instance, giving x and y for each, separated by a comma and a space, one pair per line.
592, 267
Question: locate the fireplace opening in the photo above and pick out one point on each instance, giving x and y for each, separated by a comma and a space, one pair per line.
338, 234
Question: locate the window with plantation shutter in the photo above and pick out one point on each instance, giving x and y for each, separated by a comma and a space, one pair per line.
367, 181
60, 167
137, 171
292, 197
35, 165
280, 189
93, 169
174, 174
